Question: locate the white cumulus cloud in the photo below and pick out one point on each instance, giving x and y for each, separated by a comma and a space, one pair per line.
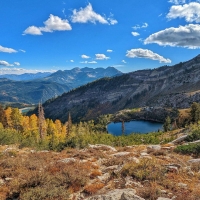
5, 63
124, 61
22, 50
88, 62
71, 61
87, 14
144, 25
177, 1
109, 50
32, 30
101, 57
85, 56
54, 23
145, 53
17, 63
7, 50
191, 12
184, 36
135, 34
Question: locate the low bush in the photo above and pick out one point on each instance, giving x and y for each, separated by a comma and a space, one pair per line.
189, 149
147, 169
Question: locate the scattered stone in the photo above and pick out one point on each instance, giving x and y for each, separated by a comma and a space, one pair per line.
32, 151
134, 159
9, 149
163, 191
166, 148
100, 146
163, 198
45, 151
121, 154
194, 142
182, 185
174, 165
154, 147
1, 182
117, 194
8, 179
196, 161
131, 183
144, 154
67, 160
179, 140
190, 173
147, 157
104, 178
172, 169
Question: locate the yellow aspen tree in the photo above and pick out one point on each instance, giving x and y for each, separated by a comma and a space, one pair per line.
2, 116
8, 118
59, 131
16, 119
25, 123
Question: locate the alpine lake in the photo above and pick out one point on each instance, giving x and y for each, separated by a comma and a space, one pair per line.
136, 126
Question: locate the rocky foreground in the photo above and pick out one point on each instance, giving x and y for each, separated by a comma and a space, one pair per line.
99, 172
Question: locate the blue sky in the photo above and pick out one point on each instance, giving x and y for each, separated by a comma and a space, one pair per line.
49, 35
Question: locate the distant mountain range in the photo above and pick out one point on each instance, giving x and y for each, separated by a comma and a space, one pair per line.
44, 86
80, 76
26, 76
176, 86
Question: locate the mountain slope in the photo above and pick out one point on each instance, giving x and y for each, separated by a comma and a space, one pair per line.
30, 92
176, 86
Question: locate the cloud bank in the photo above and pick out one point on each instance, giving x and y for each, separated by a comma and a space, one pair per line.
184, 36
191, 12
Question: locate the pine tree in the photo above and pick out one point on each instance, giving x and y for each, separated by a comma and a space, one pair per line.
68, 125
195, 112
41, 122
167, 124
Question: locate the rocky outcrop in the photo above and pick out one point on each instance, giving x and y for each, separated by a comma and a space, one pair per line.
118, 194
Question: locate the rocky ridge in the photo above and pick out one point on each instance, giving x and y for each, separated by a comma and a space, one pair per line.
176, 86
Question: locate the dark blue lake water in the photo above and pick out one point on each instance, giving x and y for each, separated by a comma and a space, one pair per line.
137, 126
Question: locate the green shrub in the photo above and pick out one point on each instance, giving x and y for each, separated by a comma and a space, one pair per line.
194, 136
189, 149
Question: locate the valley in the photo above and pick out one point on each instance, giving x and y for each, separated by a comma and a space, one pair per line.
63, 145
34, 88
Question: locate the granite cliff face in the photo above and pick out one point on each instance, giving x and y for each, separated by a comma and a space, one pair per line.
176, 86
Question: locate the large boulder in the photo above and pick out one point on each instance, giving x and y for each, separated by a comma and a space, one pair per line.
102, 147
